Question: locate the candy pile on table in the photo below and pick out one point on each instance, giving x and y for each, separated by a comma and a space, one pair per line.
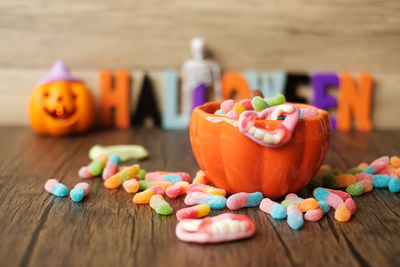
154, 189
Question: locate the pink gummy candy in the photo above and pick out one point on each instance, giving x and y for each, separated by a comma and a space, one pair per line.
49, 184
291, 196
362, 176
221, 228
227, 105
294, 208
84, 173
334, 200
232, 114
343, 195
83, 185
380, 163
351, 205
314, 215
237, 201
246, 104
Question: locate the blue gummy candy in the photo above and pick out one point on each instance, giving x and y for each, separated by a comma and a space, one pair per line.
173, 178
381, 180
369, 170
394, 185
114, 158
298, 199
278, 212
295, 220
321, 193
77, 194
59, 190
324, 205
254, 199
215, 202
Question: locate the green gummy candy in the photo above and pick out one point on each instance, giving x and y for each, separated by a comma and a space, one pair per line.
329, 181
96, 167
164, 208
258, 103
141, 174
125, 152
287, 202
276, 100
316, 182
355, 189
144, 184
354, 171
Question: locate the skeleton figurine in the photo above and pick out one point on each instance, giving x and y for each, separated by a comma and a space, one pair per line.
196, 72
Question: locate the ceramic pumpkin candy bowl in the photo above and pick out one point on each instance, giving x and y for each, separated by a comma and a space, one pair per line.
60, 104
234, 160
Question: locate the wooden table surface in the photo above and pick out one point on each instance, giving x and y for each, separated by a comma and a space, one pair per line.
107, 229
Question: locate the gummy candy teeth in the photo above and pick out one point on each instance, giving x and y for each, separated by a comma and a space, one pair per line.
221, 228
264, 137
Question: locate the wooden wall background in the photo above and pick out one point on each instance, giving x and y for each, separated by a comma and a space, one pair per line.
153, 35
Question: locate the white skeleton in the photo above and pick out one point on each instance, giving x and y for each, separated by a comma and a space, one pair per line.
196, 71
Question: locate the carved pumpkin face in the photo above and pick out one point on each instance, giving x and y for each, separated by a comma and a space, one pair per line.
60, 108
235, 163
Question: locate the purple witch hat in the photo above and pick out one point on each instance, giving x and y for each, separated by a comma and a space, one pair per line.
59, 72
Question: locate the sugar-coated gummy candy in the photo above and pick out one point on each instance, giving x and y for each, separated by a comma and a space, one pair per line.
131, 186
227, 105
276, 210
343, 195
232, 114
356, 189
314, 215
144, 197
259, 103
342, 213
287, 202
125, 152
56, 188
367, 185
84, 173
316, 182
194, 212
351, 205
307, 204
293, 196
324, 205
394, 185
160, 205
395, 161
144, 184
344, 180
239, 108
214, 201
97, 165
200, 178
207, 189
111, 167
117, 179
177, 189
363, 165
354, 171
168, 176
379, 164
222, 228
362, 176
243, 200
276, 100
141, 174
294, 217
380, 181
332, 199
79, 191
246, 103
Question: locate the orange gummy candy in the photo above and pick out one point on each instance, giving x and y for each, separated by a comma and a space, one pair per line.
307, 204
342, 213
344, 180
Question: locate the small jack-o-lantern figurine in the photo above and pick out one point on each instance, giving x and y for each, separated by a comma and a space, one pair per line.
60, 104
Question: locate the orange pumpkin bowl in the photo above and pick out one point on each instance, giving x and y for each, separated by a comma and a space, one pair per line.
235, 163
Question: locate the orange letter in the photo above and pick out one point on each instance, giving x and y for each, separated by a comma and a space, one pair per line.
356, 101
115, 99
234, 82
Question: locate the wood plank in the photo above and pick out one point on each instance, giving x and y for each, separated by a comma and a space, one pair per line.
107, 228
